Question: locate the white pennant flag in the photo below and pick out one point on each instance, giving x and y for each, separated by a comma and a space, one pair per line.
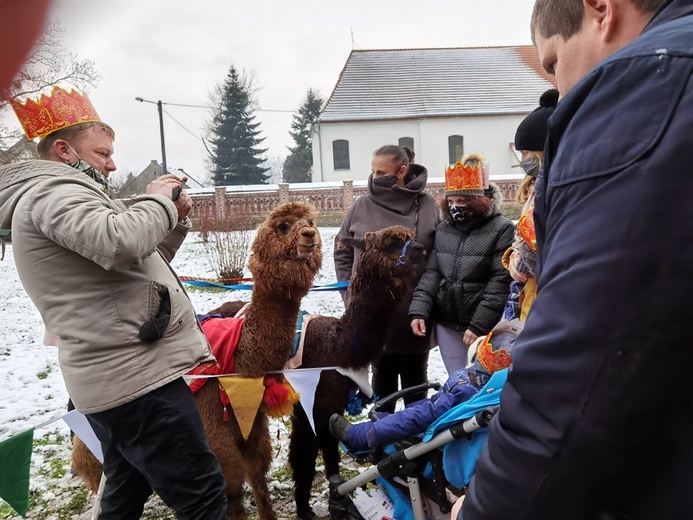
305, 382
360, 377
79, 424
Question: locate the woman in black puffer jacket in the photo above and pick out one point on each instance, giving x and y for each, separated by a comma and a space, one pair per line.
465, 286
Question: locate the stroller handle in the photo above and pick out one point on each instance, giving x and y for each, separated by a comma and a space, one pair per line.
373, 413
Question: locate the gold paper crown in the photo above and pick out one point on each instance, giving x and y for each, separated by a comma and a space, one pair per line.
526, 231
465, 179
59, 110
492, 360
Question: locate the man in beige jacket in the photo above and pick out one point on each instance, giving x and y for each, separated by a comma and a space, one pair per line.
99, 274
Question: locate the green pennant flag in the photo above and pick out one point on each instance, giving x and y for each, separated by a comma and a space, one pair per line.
15, 459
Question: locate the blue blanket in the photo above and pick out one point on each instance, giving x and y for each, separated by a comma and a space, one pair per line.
459, 457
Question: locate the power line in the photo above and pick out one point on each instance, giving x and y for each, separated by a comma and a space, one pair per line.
208, 108
182, 126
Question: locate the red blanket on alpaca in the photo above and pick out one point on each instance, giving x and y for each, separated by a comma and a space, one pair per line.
223, 335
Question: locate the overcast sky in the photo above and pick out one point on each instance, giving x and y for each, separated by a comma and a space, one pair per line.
175, 51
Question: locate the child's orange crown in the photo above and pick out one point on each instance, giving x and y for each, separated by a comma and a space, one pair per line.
59, 110
466, 177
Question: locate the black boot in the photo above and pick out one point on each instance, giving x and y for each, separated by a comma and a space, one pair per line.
339, 427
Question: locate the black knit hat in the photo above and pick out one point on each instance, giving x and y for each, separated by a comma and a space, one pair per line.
532, 132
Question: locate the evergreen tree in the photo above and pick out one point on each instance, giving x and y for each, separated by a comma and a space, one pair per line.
236, 158
298, 165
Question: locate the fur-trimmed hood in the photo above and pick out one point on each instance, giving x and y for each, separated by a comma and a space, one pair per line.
493, 193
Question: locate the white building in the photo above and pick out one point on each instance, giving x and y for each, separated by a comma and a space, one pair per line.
442, 103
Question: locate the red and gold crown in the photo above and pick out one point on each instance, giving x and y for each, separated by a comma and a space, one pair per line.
59, 110
525, 229
466, 177
492, 360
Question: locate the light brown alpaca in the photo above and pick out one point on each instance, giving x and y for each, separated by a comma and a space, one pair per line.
286, 255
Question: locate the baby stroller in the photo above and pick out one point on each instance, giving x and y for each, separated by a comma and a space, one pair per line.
409, 470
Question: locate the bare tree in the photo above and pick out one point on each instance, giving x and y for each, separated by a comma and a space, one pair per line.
49, 63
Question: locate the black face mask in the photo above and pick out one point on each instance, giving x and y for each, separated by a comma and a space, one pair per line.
92, 172
386, 181
458, 213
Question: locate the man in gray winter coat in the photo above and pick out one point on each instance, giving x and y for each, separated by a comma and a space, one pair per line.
99, 274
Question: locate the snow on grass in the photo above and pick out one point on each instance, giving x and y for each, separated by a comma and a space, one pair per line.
32, 392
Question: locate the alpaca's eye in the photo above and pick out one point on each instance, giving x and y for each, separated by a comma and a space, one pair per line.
395, 244
284, 227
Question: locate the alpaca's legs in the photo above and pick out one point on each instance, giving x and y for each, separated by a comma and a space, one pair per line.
223, 443
86, 465
303, 451
330, 451
257, 459
224, 438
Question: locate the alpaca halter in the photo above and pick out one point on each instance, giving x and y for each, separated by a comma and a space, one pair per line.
401, 261
292, 245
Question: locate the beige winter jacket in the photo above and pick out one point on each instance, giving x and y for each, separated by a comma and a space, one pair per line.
92, 268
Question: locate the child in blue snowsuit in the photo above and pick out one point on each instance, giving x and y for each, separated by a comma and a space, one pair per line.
414, 419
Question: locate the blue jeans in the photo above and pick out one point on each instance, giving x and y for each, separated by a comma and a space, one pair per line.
158, 442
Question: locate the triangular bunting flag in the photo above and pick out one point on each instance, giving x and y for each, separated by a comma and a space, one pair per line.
305, 382
245, 394
15, 459
360, 377
79, 424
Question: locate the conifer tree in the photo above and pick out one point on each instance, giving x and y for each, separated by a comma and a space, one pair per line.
298, 166
235, 155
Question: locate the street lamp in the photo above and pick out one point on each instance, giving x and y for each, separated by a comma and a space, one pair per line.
161, 129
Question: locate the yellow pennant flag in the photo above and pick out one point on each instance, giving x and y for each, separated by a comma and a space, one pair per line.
245, 394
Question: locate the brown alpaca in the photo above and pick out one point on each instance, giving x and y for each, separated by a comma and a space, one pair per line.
382, 281
286, 255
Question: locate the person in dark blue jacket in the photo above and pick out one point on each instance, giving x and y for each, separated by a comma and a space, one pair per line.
596, 416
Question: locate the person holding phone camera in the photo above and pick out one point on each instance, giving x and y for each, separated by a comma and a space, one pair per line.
99, 274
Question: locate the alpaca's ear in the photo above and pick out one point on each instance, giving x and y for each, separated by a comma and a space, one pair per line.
349, 242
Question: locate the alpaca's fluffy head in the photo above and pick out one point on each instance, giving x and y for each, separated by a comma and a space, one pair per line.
390, 254
287, 247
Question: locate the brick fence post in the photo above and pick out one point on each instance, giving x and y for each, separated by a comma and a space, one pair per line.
220, 205
347, 194
283, 192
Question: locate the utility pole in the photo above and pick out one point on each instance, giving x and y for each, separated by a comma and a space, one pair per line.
161, 129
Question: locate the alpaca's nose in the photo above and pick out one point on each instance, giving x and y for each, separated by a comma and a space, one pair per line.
308, 233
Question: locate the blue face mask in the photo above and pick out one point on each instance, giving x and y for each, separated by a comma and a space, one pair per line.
92, 172
458, 213
530, 166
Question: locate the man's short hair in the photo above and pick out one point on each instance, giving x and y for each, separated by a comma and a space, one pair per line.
564, 17
70, 134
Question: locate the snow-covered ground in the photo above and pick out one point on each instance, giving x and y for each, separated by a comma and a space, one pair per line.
32, 390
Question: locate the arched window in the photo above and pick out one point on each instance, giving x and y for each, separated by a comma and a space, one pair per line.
455, 148
407, 141
340, 154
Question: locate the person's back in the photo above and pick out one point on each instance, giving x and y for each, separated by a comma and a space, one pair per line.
595, 414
